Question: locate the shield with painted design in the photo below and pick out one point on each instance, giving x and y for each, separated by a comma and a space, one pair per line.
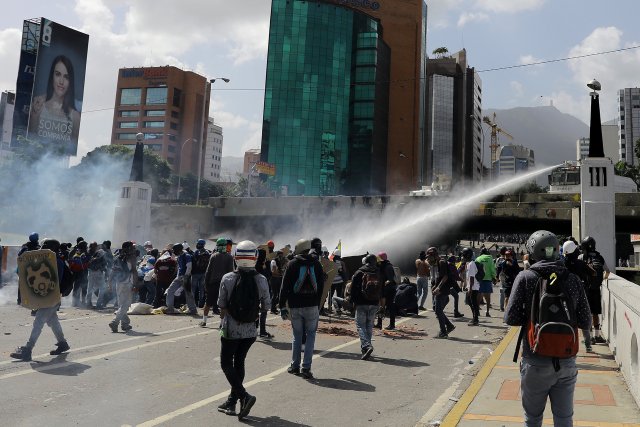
38, 279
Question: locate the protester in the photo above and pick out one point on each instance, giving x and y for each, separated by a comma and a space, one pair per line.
486, 285
277, 270
124, 277
472, 285
596, 261
182, 281
422, 281
389, 287
366, 290
96, 267
79, 264
220, 263
166, 269
201, 258
337, 286
440, 286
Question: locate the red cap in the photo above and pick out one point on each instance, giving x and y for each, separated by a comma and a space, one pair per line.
270, 243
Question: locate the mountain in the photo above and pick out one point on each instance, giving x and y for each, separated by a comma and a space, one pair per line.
551, 134
230, 167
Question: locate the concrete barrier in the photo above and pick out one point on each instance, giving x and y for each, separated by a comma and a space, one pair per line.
621, 327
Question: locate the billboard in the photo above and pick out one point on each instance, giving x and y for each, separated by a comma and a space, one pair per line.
266, 168
58, 88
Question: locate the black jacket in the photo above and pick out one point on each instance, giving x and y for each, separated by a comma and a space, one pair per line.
357, 297
290, 277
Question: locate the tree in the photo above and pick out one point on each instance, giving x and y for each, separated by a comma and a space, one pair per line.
441, 52
633, 172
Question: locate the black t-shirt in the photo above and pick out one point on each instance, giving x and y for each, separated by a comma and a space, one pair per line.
580, 269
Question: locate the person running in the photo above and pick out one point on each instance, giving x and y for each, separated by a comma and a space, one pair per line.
440, 287
243, 293
594, 295
125, 277
486, 285
366, 290
422, 281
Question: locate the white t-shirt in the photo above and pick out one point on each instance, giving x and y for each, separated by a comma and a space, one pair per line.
472, 270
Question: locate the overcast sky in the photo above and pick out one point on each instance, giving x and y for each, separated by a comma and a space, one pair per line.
229, 39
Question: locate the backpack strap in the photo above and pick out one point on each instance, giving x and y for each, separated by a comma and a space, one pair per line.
523, 328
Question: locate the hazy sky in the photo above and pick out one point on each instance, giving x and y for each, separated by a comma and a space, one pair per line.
229, 39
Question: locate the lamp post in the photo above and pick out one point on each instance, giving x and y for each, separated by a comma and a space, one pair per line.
180, 164
207, 88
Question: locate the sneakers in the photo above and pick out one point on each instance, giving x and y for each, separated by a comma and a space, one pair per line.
599, 340
366, 353
202, 325
275, 312
589, 349
450, 328
126, 328
421, 308
390, 327
306, 374
293, 371
228, 407
458, 314
168, 310
245, 405
442, 335
61, 347
114, 327
265, 335
473, 323
22, 353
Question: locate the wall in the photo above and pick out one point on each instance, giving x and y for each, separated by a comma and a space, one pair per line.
621, 327
176, 223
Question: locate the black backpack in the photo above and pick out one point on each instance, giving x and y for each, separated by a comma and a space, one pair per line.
596, 261
244, 301
201, 261
480, 273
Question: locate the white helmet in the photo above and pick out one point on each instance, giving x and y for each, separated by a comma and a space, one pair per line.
569, 247
246, 254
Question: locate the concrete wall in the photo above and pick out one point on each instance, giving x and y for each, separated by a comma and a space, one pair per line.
621, 327
176, 223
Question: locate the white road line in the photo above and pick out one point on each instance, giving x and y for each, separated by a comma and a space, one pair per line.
265, 378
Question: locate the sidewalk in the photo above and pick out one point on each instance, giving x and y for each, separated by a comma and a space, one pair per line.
493, 398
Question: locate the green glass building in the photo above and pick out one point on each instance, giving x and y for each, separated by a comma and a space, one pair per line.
326, 100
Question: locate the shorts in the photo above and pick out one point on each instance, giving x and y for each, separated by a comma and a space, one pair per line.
211, 294
507, 291
486, 287
594, 297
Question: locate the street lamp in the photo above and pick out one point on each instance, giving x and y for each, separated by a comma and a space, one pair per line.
180, 165
207, 87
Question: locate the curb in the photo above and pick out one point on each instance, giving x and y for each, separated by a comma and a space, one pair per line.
455, 415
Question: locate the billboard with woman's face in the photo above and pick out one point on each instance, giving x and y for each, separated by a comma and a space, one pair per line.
56, 104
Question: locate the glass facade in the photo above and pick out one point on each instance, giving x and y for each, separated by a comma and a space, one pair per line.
442, 131
326, 100
156, 95
130, 96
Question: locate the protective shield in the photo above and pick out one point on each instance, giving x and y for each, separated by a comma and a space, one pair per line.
330, 269
38, 279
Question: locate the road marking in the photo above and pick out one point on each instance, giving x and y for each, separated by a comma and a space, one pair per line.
453, 418
265, 378
546, 421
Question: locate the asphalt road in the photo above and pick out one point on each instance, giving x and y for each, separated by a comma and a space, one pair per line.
166, 371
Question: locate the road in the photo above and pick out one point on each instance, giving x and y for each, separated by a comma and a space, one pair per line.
167, 372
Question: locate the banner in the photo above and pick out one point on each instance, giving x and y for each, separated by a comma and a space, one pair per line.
266, 168
58, 90
38, 279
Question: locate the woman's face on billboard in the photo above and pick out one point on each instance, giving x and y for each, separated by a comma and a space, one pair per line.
60, 80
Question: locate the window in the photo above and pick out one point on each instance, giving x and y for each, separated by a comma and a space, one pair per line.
175, 115
135, 113
171, 148
156, 95
154, 113
174, 126
125, 192
130, 96
127, 136
142, 193
154, 124
177, 94
128, 125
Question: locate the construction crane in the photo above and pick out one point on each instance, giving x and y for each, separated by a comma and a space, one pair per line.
495, 130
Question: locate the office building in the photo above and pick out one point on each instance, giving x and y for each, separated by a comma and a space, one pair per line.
628, 124
213, 152
251, 157
512, 160
582, 148
169, 106
7, 104
344, 100
454, 123
609, 141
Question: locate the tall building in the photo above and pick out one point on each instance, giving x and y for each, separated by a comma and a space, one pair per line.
609, 141
344, 98
213, 152
513, 159
251, 157
582, 148
169, 106
628, 123
454, 123
7, 104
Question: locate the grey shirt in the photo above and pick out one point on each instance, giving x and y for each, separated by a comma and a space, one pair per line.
235, 329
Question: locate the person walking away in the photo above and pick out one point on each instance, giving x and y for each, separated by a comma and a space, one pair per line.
387, 300
243, 293
96, 268
182, 280
472, 285
277, 270
166, 269
366, 291
302, 287
570, 253
220, 263
486, 285
337, 286
594, 295
79, 264
548, 366
124, 277
201, 258
440, 288
422, 281
48, 315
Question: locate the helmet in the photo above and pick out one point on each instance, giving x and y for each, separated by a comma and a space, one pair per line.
185, 245
271, 244
542, 245
221, 242
484, 251
34, 237
588, 244
569, 247
370, 259
51, 244
382, 256
503, 250
200, 243
148, 244
302, 246
246, 254
316, 244
467, 254
151, 260
79, 239
82, 245
177, 248
127, 245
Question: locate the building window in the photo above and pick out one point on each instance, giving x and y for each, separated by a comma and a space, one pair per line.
154, 113
172, 137
173, 126
134, 113
156, 95
125, 192
130, 96
142, 193
175, 115
171, 148
128, 125
127, 136
177, 94
154, 124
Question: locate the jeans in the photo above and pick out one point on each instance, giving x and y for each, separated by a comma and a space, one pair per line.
475, 306
148, 292
125, 296
173, 287
539, 380
456, 298
441, 303
338, 290
365, 316
49, 316
96, 281
423, 290
197, 288
304, 320
232, 356
340, 304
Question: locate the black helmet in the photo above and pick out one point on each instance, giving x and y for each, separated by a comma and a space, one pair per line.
467, 254
503, 250
34, 237
177, 248
316, 244
588, 244
484, 251
51, 244
543, 246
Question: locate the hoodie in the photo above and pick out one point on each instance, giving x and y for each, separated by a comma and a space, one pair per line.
291, 274
357, 296
519, 307
489, 266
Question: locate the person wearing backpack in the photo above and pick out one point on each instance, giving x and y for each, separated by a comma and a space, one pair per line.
48, 315
201, 258
220, 263
243, 293
550, 304
486, 285
594, 295
366, 291
302, 287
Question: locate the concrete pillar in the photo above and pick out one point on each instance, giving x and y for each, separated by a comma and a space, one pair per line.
132, 220
598, 205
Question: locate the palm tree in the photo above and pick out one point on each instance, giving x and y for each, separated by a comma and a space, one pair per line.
441, 52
